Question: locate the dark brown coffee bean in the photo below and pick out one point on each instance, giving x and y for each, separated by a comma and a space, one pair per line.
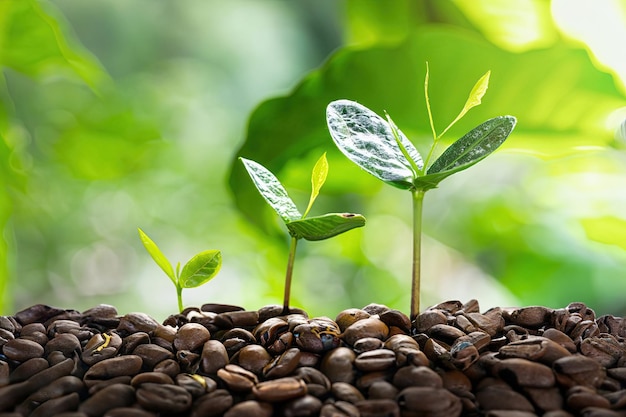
37, 313
95, 385
163, 398
169, 367
191, 336
253, 358
525, 373
237, 378
545, 398
396, 318
113, 396
27, 369
350, 316
534, 348
212, 404
306, 406
282, 365
445, 333
375, 360
101, 346
231, 319
416, 376
250, 408
339, 409
214, 357
128, 365
369, 327
278, 390
434, 402
66, 343
129, 412
316, 382
21, 350
57, 405
57, 388
337, 365
490, 322
578, 370
580, 397
196, 385
428, 319
150, 355
346, 392
604, 349
530, 317
382, 390
318, 335
515, 413
375, 408
136, 322
367, 344
502, 397
188, 361
154, 377
130, 342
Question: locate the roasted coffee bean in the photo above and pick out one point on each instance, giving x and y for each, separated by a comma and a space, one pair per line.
375, 408
366, 344
532, 317
214, 357
231, 319
369, 327
113, 396
136, 322
490, 322
445, 333
250, 408
237, 378
38, 313
154, 377
500, 396
66, 343
282, 365
346, 392
128, 365
380, 390
188, 361
396, 318
604, 349
278, 390
545, 398
129, 412
435, 402
416, 376
428, 319
535, 348
21, 350
525, 373
337, 365
95, 386
163, 398
306, 406
318, 335
191, 336
561, 338
35, 332
339, 409
169, 367
350, 316
253, 358
316, 382
364, 381
101, 346
57, 405
375, 360
212, 404
62, 386
578, 370
580, 397
130, 342
150, 355
220, 308
27, 369
196, 385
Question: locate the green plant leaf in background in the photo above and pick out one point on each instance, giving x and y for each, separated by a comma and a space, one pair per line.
200, 269
325, 226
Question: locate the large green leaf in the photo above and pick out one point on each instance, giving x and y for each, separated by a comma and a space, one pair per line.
200, 269
550, 91
325, 226
473, 147
369, 141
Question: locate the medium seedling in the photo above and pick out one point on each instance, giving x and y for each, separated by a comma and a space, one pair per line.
200, 269
380, 148
312, 228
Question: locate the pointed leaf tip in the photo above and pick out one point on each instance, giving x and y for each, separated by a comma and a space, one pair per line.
200, 269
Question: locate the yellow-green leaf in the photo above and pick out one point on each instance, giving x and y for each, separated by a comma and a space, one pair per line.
200, 269
158, 256
318, 178
474, 99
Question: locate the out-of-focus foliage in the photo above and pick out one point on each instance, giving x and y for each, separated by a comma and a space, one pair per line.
116, 115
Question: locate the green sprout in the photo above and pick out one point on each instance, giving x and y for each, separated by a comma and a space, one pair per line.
380, 148
312, 228
200, 269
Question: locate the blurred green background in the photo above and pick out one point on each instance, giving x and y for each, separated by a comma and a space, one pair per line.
121, 114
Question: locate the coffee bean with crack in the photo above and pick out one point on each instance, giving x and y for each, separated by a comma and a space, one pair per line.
317, 335
306, 406
150, 355
274, 335
535, 348
493, 394
282, 365
279, 390
128, 365
525, 373
237, 378
236, 339
196, 385
346, 392
231, 319
369, 327
375, 360
101, 346
164, 398
316, 382
27, 369
604, 349
21, 350
339, 409
578, 370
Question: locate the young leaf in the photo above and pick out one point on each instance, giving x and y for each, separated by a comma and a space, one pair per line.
367, 140
272, 191
474, 99
200, 269
318, 178
473, 147
157, 255
325, 226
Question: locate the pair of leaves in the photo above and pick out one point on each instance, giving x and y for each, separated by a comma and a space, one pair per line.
380, 148
200, 269
313, 228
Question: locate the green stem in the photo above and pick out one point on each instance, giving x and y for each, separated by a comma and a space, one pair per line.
179, 294
418, 200
292, 257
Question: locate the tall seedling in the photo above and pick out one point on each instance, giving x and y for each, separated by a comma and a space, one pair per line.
380, 148
312, 228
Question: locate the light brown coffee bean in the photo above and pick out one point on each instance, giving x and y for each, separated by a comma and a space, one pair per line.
191, 336
369, 327
278, 390
253, 358
525, 373
348, 317
375, 360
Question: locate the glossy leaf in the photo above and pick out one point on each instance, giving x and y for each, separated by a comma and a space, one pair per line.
325, 226
318, 178
272, 191
473, 147
200, 269
368, 141
158, 256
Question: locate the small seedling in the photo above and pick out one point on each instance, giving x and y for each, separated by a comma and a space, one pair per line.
312, 228
200, 269
380, 148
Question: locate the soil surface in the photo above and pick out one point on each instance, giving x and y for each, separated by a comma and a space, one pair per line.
221, 360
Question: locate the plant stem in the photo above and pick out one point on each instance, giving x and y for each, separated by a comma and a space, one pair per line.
179, 294
292, 257
418, 199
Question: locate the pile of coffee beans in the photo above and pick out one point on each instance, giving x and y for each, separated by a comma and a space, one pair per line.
221, 360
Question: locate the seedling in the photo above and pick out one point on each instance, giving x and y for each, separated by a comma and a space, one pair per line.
312, 228
380, 148
200, 269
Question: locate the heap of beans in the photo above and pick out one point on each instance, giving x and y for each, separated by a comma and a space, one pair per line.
221, 360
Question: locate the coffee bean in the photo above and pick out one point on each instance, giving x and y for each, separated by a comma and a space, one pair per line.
250, 408
350, 316
502, 397
57, 405
545, 399
580, 397
366, 344
101, 346
150, 355
282, 365
369, 327
578, 370
129, 412
375, 360
169, 367
212, 404
27, 369
278, 390
128, 365
253, 358
136, 322
306, 406
37, 313
525, 373
339, 409
604, 349
154, 377
21, 350
196, 385
316, 382
191, 336
231, 319
318, 335
416, 376
163, 398
113, 396
214, 357
237, 378
346, 392
380, 390
375, 408
337, 365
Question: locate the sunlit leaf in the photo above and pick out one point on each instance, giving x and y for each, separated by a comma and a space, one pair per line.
318, 178
200, 269
368, 140
474, 99
473, 147
158, 256
325, 226
272, 191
